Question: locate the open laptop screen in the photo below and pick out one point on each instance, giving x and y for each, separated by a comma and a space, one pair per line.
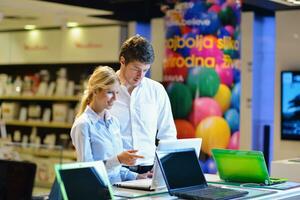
183, 161
249, 166
16, 179
83, 181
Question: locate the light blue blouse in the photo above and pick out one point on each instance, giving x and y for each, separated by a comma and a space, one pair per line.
95, 138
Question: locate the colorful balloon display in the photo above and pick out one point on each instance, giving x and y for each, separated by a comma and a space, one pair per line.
202, 53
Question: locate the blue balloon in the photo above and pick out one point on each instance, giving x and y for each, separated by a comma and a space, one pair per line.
232, 117
195, 11
235, 96
212, 23
236, 75
211, 166
203, 167
173, 31
235, 54
220, 2
222, 32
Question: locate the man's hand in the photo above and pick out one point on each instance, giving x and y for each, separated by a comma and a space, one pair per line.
128, 157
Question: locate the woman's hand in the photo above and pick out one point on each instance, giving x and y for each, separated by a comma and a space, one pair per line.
128, 157
145, 175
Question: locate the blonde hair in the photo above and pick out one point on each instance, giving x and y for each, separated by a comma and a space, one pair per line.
102, 78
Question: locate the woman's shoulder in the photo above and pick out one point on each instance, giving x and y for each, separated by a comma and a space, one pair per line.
82, 121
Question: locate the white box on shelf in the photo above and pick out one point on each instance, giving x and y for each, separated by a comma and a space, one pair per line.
61, 85
47, 115
23, 114
60, 112
288, 168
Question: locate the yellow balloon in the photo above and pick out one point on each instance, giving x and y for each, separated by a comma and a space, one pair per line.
215, 133
223, 97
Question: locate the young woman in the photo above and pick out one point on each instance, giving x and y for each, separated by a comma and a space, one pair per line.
96, 134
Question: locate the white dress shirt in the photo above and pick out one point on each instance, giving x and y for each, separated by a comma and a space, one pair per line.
144, 115
96, 138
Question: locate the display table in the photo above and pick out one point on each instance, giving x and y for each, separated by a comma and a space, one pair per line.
262, 194
289, 168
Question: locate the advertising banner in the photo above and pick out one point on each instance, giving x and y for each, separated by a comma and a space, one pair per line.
202, 72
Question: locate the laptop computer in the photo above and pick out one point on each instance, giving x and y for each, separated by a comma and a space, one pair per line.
184, 177
83, 180
16, 179
157, 182
248, 167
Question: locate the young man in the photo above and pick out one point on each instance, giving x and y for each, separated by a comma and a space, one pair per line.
142, 105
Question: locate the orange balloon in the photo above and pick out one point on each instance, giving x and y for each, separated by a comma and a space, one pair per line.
184, 129
215, 133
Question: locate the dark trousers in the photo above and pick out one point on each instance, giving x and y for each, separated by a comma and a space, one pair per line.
140, 169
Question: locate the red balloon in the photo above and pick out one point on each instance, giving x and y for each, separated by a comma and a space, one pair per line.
225, 73
215, 8
184, 129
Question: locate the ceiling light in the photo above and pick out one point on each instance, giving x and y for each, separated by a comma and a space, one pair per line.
72, 24
29, 27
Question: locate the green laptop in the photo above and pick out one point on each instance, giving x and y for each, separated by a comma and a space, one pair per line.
243, 167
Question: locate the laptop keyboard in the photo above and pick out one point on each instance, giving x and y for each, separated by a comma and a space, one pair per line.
210, 193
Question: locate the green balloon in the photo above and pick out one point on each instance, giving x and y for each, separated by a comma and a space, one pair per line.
193, 79
181, 100
227, 16
209, 82
204, 80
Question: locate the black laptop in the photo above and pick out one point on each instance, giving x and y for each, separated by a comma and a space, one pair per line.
184, 177
83, 180
16, 179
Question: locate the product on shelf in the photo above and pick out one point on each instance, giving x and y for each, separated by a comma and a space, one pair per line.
34, 112
60, 111
23, 114
9, 110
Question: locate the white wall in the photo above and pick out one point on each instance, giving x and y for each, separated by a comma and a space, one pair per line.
158, 41
93, 44
246, 80
287, 57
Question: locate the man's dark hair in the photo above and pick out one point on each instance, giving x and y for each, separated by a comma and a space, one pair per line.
138, 49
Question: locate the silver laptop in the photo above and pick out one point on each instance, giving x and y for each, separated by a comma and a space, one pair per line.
157, 182
184, 177
83, 180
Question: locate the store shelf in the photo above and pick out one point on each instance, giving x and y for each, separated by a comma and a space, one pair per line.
37, 124
41, 98
53, 153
